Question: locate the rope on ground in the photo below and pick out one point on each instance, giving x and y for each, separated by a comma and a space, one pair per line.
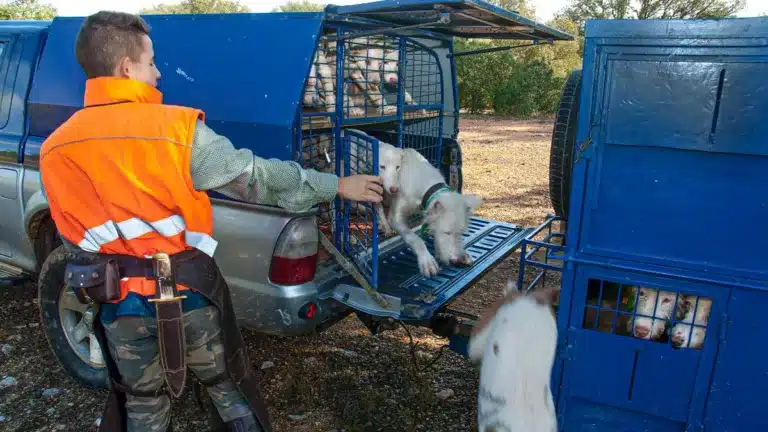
413, 351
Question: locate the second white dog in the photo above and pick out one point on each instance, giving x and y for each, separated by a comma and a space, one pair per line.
515, 339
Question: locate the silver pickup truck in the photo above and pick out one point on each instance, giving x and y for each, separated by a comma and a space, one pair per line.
281, 285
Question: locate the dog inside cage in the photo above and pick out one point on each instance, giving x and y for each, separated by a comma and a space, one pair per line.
361, 95
676, 318
373, 77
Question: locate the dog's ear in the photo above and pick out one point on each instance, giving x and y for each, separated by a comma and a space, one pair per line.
473, 202
436, 209
511, 286
400, 153
547, 296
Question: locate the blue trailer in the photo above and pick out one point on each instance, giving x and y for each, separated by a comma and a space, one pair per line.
659, 153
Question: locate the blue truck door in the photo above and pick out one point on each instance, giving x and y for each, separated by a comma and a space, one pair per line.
17, 57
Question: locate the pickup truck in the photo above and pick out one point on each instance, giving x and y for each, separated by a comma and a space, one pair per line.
247, 72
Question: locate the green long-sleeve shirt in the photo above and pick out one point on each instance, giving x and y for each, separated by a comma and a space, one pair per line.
216, 165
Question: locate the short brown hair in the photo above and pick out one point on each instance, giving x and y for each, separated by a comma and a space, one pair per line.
106, 37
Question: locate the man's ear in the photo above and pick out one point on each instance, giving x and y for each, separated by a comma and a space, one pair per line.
472, 202
124, 68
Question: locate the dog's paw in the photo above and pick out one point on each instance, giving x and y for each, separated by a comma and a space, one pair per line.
356, 112
465, 260
428, 265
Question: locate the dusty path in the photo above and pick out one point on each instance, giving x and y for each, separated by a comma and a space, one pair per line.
343, 379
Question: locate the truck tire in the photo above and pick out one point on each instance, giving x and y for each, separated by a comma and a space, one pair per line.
67, 324
46, 241
564, 145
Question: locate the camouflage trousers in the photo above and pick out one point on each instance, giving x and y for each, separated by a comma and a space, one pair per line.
132, 344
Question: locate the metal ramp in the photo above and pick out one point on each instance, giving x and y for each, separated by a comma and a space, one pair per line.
418, 298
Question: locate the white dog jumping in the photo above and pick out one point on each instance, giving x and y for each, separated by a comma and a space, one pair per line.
419, 186
515, 340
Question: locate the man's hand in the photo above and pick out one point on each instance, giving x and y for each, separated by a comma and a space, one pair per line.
361, 188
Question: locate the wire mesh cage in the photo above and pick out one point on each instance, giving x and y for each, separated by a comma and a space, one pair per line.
391, 90
658, 315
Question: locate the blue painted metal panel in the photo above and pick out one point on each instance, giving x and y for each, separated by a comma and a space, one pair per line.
680, 131
687, 32
672, 131
738, 397
228, 65
469, 18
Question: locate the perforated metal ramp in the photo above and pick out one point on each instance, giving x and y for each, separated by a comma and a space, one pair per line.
487, 241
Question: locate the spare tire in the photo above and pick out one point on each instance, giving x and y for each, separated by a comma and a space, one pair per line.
564, 144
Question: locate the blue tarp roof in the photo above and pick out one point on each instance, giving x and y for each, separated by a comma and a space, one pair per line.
246, 71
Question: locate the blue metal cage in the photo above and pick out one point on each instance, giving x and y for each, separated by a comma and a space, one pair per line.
389, 85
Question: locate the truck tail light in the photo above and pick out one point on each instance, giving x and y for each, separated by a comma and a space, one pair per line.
294, 260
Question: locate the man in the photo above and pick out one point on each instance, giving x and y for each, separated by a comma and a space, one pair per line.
125, 178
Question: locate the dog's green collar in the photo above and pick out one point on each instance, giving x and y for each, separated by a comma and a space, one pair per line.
426, 201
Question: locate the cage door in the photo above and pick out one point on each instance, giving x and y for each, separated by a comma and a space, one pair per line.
358, 221
643, 348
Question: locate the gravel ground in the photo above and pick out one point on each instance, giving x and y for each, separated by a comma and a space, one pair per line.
342, 379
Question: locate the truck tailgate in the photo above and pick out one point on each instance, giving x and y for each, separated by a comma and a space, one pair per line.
419, 297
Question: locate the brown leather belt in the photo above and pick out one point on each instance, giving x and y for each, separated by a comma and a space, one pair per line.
99, 282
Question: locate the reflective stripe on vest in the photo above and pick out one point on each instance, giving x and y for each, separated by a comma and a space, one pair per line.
134, 227
117, 177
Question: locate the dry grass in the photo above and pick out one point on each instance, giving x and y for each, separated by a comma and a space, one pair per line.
342, 379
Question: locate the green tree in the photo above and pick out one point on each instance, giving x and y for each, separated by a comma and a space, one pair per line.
579, 11
299, 6
523, 81
197, 7
520, 6
27, 10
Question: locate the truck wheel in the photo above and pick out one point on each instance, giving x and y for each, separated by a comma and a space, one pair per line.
68, 324
47, 240
564, 144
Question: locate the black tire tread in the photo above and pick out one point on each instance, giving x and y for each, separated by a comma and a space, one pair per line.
563, 144
49, 287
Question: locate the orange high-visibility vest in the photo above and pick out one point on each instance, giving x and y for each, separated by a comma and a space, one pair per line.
116, 176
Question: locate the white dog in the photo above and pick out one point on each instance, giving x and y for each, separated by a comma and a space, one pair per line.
515, 341
416, 186
361, 156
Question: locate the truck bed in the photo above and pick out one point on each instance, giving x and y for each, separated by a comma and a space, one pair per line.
419, 297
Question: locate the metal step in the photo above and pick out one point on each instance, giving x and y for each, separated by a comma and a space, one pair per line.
10, 275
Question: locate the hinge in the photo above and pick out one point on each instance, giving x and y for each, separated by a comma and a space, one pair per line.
564, 352
724, 327
582, 147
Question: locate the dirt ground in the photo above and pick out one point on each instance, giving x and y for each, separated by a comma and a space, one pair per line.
343, 379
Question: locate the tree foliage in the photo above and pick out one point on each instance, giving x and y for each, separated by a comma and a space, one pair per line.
579, 11
27, 10
197, 7
522, 7
300, 6
523, 81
